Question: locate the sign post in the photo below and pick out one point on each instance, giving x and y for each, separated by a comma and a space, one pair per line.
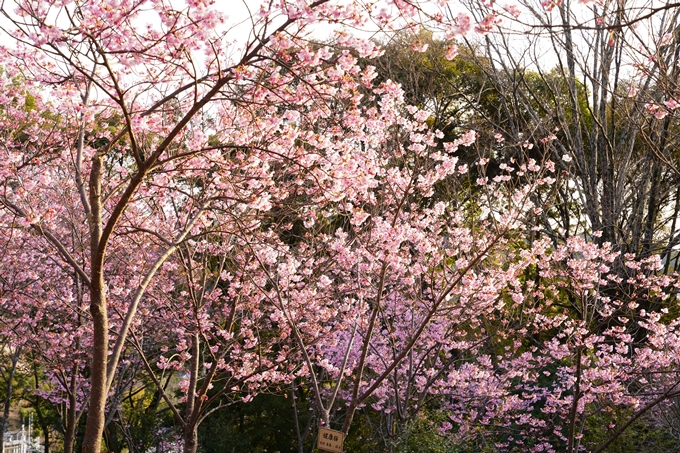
330, 440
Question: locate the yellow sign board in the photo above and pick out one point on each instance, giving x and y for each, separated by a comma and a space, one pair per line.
330, 440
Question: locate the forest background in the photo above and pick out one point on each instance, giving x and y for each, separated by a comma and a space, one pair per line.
441, 226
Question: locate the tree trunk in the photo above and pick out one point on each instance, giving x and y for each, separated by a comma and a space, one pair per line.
96, 411
44, 426
190, 424
96, 414
112, 438
190, 439
71, 415
69, 440
296, 419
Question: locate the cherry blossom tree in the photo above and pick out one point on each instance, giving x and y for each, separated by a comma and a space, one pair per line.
391, 269
46, 319
209, 326
605, 113
569, 353
147, 125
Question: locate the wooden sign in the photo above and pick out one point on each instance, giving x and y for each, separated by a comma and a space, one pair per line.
330, 440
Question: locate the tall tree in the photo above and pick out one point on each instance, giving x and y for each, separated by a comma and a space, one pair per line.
587, 76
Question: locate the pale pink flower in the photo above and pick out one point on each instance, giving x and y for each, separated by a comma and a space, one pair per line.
467, 138
672, 104
661, 114
451, 52
419, 46
656, 110
487, 24
666, 39
462, 26
549, 5
513, 10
